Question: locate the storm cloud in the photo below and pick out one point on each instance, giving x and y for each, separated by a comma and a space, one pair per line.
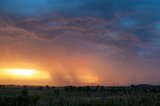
107, 33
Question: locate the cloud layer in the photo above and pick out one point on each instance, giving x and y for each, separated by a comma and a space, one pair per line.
112, 37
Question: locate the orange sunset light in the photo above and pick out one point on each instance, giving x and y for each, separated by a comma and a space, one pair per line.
23, 74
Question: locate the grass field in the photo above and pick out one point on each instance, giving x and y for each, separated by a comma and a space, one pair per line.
139, 95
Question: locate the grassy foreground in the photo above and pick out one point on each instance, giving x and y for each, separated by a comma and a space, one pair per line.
140, 95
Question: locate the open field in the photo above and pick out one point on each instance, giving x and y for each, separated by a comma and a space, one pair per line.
140, 95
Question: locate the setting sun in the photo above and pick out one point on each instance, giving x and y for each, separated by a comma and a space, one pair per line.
22, 72
23, 75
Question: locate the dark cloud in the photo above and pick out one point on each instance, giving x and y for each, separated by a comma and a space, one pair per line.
127, 34
120, 31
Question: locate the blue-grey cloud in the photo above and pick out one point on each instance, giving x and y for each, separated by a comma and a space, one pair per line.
132, 25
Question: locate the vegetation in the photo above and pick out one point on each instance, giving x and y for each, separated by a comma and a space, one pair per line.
139, 95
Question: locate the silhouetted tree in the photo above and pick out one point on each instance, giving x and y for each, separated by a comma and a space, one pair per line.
25, 86
71, 88
39, 87
132, 85
53, 87
2, 85
47, 86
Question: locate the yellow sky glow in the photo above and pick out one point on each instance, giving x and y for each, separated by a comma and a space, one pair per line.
23, 74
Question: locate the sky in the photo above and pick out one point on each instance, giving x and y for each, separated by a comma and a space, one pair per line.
80, 42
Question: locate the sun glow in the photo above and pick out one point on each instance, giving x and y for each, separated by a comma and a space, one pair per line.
88, 77
23, 74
